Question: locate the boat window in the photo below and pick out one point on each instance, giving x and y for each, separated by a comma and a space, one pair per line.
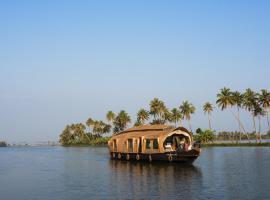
130, 145
135, 146
155, 144
114, 145
140, 145
148, 144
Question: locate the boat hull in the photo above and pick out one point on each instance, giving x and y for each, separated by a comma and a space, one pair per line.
182, 157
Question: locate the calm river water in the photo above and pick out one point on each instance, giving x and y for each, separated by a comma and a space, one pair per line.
87, 173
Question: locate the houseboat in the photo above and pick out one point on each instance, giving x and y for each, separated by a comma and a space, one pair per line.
154, 143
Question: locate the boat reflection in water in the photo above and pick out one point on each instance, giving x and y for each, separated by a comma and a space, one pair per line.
164, 180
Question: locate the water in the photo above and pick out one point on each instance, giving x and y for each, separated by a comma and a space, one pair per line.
88, 173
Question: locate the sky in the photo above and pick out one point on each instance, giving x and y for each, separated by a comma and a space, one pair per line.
63, 61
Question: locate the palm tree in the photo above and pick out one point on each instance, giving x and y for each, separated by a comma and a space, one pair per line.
110, 116
89, 123
121, 121
187, 109
166, 116
99, 128
250, 99
154, 107
176, 116
224, 100
208, 108
65, 136
77, 133
259, 112
237, 100
264, 100
159, 111
142, 116
81, 132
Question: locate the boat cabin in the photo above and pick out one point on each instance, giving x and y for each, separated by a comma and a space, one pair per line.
151, 139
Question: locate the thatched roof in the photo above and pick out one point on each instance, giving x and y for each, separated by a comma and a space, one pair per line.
149, 131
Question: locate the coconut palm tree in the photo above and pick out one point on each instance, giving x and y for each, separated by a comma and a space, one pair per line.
237, 100
65, 136
166, 116
110, 116
225, 100
159, 111
250, 99
187, 109
77, 133
142, 116
121, 121
264, 100
99, 128
154, 107
258, 112
89, 122
176, 116
208, 108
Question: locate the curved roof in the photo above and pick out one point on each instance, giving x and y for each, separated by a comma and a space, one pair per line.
148, 131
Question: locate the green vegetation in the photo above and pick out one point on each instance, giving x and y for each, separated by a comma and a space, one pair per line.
263, 144
3, 144
205, 136
97, 132
257, 104
77, 134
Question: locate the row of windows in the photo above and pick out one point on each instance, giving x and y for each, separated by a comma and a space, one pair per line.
149, 144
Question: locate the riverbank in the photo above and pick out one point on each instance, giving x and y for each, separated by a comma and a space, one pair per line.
102, 141
263, 144
3, 144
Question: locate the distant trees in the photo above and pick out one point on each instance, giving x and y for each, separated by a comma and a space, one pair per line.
257, 104
205, 136
226, 98
74, 134
3, 144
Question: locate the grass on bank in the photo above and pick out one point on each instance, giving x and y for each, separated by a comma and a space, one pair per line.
102, 141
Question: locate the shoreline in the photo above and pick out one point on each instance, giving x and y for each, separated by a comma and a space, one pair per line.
223, 144
263, 144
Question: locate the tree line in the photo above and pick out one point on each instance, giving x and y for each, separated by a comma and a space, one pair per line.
257, 104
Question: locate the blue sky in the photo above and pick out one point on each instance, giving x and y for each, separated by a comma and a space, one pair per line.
64, 61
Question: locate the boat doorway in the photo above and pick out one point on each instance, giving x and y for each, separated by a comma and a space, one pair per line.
176, 143
140, 145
